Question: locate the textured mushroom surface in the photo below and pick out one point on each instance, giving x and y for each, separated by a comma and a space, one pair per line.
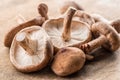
80, 32
68, 60
26, 62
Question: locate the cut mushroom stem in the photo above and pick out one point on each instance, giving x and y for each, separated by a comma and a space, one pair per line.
26, 43
108, 38
43, 10
67, 25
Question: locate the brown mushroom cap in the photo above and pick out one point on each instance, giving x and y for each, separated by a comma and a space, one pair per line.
67, 32
116, 25
68, 60
110, 33
22, 59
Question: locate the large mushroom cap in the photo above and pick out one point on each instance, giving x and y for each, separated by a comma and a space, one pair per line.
79, 31
68, 60
38, 52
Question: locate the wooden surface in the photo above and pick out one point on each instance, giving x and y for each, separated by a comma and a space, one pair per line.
105, 67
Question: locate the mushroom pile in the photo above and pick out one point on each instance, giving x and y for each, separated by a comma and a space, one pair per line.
65, 43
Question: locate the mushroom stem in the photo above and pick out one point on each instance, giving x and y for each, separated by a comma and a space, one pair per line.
67, 25
88, 47
43, 9
26, 43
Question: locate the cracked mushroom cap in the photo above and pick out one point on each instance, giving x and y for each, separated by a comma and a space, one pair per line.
67, 32
31, 49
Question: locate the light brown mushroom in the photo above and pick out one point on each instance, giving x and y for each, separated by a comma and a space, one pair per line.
67, 32
31, 49
109, 38
64, 7
68, 60
43, 9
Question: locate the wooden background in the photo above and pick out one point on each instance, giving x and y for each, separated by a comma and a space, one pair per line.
105, 67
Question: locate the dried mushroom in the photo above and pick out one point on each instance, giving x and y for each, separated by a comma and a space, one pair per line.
68, 60
67, 32
108, 38
31, 49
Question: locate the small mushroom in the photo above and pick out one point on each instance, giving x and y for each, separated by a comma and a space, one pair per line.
64, 7
68, 60
31, 49
67, 32
43, 9
109, 38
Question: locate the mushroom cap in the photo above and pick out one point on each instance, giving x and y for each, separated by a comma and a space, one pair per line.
80, 32
68, 60
116, 25
25, 62
109, 32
